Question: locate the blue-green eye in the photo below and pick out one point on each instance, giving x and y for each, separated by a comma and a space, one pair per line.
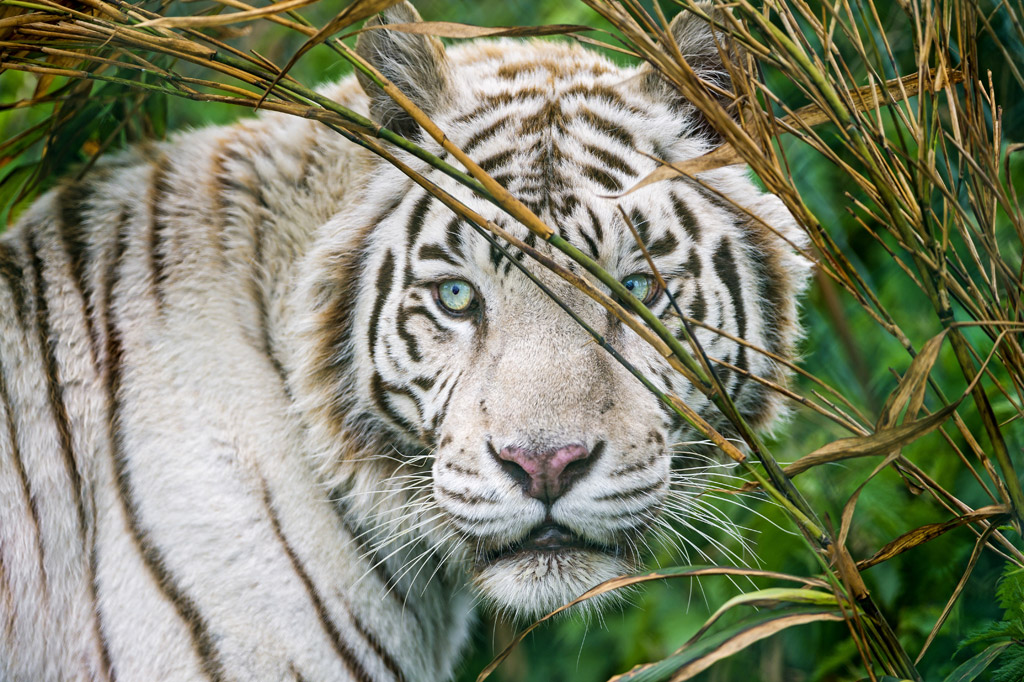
642, 286
456, 295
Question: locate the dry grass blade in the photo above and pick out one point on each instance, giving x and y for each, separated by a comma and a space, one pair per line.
912, 386
878, 443
870, 97
451, 29
724, 155
804, 118
979, 545
226, 19
924, 534
355, 11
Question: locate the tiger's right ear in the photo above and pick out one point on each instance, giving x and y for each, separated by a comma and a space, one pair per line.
416, 64
703, 47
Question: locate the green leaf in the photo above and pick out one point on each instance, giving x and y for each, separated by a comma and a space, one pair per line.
772, 596
698, 656
970, 669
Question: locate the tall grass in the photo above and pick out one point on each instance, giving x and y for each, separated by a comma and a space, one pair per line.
917, 233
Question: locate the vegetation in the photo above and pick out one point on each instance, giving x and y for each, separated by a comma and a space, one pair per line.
889, 546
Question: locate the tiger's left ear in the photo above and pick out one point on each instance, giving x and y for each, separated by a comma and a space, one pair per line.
702, 46
417, 64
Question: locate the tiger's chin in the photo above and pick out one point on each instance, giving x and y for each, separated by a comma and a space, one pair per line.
547, 569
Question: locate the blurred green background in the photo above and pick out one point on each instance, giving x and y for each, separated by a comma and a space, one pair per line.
842, 347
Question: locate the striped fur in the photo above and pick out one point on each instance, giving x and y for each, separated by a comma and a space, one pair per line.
240, 439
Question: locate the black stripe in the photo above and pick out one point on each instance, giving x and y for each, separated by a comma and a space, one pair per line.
384, 275
514, 96
72, 232
484, 134
464, 497
266, 341
685, 217
693, 265
156, 249
771, 281
497, 160
493, 101
344, 651
631, 493
417, 217
47, 343
495, 255
334, 300
11, 272
541, 123
257, 285
202, 641
424, 383
609, 128
590, 244
379, 649
411, 344
6, 597
641, 224
637, 466
662, 246
506, 180
610, 159
452, 237
97, 610
602, 177
436, 252
606, 93
725, 267
443, 412
596, 224
219, 204
566, 206
379, 390
55, 387
412, 310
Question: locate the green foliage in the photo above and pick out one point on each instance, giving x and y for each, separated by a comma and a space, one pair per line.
1001, 643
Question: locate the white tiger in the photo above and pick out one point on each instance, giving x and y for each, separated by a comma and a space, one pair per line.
270, 411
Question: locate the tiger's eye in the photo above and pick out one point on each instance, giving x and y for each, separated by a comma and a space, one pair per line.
642, 286
456, 295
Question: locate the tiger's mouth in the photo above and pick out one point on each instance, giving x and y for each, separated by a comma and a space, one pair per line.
547, 538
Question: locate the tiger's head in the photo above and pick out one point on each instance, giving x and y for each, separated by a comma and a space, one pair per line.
468, 423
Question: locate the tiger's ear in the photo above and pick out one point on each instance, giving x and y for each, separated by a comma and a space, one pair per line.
702, 45
416, 64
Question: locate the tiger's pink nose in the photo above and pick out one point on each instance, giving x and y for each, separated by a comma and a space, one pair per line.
546, 475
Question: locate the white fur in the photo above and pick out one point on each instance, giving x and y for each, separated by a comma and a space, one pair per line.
256, 465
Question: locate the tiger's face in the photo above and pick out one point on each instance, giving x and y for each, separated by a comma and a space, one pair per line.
504, 441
